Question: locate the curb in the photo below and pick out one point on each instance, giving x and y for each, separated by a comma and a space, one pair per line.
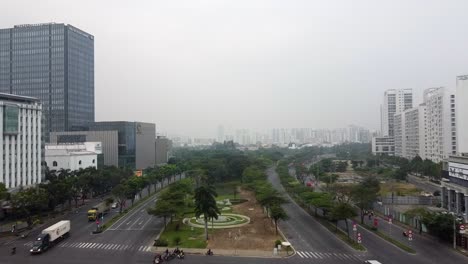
284, 237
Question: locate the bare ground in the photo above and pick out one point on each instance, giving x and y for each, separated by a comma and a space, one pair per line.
259, 234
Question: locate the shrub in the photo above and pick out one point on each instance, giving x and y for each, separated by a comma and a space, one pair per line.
160, 243
277, 242
177, 227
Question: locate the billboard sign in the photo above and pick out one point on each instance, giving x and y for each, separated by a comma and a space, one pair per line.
458, 170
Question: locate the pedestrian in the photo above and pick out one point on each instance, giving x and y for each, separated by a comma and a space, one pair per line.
13, 228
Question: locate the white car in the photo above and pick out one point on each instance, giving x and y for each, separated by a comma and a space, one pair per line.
114, 205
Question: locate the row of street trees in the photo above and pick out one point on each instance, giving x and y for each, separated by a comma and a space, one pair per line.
337, 202
63, 187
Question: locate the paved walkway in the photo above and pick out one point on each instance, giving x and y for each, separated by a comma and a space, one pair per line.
234, 252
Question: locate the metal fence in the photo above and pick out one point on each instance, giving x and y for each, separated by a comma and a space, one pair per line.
419, 200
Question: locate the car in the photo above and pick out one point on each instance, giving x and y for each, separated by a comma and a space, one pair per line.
115, 205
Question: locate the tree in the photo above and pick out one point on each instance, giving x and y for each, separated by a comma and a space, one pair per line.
120, 192
205, 204
29, 201
164, 209
364, 194
3, 191
277, 213
320, 200
342, 211
268, 196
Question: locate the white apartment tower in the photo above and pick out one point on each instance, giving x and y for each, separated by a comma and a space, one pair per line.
462, 114
395, 101
20, 125
440, 124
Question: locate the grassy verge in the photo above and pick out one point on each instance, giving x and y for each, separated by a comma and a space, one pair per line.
391, 240
178, 234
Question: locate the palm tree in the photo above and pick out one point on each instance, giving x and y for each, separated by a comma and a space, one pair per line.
205, 204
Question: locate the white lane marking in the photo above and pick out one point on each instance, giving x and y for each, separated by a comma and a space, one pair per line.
108, 246
339, 256
148, 249
314, 254
88, 245
135, 222
64, 244
147, 222
300, 254
142, 211
93, 245
114, 247
118, 247
308, 254
139, 249
124, 247
81, 245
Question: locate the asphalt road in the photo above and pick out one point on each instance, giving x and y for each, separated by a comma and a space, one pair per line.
129, 240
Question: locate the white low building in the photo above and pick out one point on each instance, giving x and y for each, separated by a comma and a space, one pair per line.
72, 156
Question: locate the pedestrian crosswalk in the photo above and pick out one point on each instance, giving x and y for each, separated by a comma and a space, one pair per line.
100, 246
325, 255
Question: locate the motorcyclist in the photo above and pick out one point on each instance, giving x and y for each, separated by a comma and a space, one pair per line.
13, 250
209, 252
405, 234
181, 254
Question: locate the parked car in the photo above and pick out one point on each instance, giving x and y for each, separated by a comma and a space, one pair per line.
115, 205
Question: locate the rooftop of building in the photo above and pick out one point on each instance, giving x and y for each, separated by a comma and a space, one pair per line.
18, 98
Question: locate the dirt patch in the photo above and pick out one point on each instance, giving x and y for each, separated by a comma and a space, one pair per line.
259, 234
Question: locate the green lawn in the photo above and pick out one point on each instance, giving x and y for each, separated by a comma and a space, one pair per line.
188, 238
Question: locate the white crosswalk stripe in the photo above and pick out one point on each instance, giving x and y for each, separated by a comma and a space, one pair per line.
325, 255
122, 247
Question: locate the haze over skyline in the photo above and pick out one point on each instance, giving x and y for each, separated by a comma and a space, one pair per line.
189, 66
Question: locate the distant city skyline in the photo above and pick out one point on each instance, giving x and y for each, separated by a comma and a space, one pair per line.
188, 66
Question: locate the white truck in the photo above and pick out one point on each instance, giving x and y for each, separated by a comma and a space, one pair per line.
51, 236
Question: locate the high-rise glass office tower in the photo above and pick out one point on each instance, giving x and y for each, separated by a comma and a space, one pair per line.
54, 63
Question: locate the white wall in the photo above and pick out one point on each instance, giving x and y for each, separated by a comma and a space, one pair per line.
462, 113
71, 162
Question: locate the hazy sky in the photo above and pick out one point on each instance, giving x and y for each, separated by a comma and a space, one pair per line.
191, 65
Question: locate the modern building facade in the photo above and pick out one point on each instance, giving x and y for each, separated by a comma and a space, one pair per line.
125, 144
136, 142
395, 101
383, 146
461, 114
109, 143
399, 134
20, 126
440, 127
163, 147
454, 192
54, 63
73, 156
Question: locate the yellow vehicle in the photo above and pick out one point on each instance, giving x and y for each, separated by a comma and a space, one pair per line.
98, 211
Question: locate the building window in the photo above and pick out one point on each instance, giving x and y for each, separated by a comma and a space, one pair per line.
54, 164
79, 162
94, 161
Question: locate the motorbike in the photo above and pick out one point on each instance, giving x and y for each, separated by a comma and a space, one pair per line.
181, 256
13, 251
209, 253
405, 234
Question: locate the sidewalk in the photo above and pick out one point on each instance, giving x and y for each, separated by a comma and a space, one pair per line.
229, 252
